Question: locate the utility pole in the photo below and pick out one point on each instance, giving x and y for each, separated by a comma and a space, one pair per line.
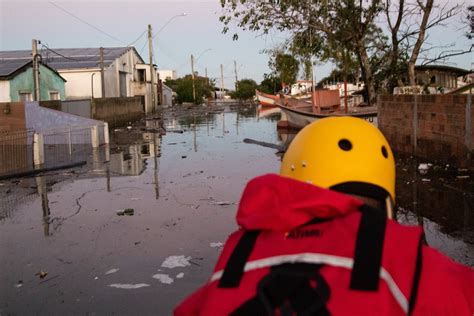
222, 81
150, 54
34, 52
192, 75
207, 78
236, 80
102, 80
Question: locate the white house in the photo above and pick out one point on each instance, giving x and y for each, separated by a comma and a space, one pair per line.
125, 73
167, 95
167, 74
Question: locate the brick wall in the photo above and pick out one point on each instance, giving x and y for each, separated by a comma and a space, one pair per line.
12, 116
429, 126
117, 111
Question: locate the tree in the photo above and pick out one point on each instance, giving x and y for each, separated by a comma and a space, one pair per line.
342, 29
408, 34
285, 66
270, 84
245, 89
184, 88
338, 22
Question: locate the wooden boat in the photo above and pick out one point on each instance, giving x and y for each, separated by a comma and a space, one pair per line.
298, 117
265, 99
263, 112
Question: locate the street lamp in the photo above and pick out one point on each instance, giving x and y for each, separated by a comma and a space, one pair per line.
150, 45
168, 22
192, 70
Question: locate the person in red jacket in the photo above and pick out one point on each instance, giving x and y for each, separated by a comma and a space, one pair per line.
319, 239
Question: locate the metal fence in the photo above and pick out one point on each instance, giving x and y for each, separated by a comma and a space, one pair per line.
60, 147
65, 146
16, 151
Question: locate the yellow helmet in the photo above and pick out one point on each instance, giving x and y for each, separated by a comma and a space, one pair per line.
345, 154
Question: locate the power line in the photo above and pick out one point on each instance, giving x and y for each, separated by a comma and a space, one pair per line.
59, 54
85, 22
138, 38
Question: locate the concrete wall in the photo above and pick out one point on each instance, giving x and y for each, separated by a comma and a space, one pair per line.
49, 81
15, 119
79, 83
41, 119
5, 91
434, 127
117, 111
78, 107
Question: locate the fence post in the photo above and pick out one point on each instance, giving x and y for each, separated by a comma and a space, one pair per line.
95, 136
106, 133
468, 125
415, 124
69, 140
38, 149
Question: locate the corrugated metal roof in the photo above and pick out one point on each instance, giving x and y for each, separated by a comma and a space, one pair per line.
8, 68
63, 58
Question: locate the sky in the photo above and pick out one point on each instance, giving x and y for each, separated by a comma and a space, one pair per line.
197, 33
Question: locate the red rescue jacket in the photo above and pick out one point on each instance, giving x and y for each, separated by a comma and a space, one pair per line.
345, 270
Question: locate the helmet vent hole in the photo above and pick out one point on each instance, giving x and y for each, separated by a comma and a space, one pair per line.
384, 152
345, 144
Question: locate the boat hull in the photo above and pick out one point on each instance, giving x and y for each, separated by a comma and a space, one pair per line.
266, 100
298, 119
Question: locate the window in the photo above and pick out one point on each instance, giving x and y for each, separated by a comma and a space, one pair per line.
25, 96
54, 95
141, 75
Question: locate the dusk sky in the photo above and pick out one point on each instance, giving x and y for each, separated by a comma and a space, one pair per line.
199, 31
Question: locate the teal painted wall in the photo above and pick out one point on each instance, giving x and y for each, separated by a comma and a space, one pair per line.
49, 81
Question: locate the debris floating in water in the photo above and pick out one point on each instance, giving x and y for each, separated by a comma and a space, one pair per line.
111, 271
163, 278
176, 261
222, 203
180, 275
127, 211
41, 274
216, 245
424, 167
129, 286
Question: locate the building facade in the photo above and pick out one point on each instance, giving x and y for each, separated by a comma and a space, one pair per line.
124, 73
167, 74
17, 82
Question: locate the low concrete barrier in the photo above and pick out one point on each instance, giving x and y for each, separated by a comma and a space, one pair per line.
117, 111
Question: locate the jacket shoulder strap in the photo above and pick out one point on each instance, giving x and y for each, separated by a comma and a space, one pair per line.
368, 250
234, 268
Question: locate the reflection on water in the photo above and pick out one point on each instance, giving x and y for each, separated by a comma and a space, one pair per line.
184, 186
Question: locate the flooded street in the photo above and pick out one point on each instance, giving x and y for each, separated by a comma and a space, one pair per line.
139, 233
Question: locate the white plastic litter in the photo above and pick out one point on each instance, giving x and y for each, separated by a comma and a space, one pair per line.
163, 278
129, 286
176, 261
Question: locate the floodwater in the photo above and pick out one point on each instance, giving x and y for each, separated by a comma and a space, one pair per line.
69, 243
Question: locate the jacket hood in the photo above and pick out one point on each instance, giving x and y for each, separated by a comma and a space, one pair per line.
279, 203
